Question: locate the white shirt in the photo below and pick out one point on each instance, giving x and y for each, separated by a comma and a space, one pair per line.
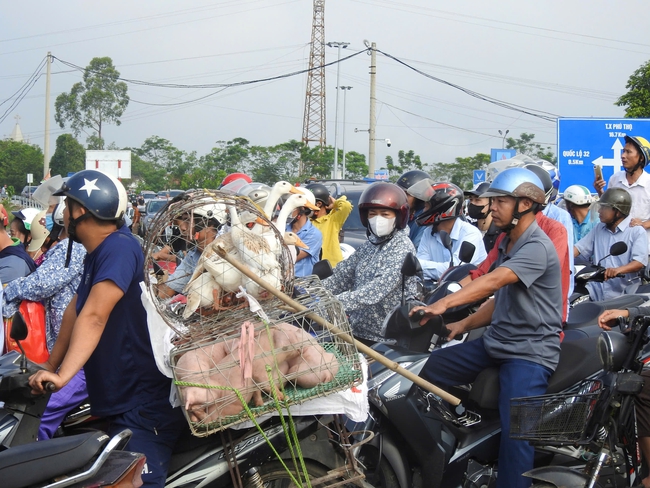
640, 192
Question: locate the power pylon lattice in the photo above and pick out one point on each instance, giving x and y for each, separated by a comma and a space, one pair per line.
313, 129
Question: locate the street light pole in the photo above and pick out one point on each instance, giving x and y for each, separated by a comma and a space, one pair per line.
345, 93
503, 141
338, 45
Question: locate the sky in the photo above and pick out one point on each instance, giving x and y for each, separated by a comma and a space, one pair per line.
551, 58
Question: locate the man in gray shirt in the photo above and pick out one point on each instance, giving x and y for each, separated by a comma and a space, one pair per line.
525, 315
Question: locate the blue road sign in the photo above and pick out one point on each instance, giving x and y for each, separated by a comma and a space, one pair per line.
499, 154
479, 176
583, 143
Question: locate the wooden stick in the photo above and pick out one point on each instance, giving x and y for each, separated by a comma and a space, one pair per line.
392, 365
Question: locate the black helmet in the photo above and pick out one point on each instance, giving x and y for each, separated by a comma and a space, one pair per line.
545, 178
384, 195
478, 190
445, 201
410, 178
320, 192
617, 198
103, 195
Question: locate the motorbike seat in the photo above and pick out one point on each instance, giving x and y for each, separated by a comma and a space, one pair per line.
587, 313
578, 360
34, 463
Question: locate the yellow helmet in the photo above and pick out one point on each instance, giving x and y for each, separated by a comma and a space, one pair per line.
642, 145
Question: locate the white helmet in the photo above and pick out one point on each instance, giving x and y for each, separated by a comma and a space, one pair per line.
57, 215
578, 195
26, 215
212, 210
38, 232
257, 192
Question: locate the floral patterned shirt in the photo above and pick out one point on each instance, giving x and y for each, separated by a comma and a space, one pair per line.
52, 283
369, 283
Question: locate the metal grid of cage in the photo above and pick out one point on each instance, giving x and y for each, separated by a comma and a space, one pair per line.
291, 359
194, 227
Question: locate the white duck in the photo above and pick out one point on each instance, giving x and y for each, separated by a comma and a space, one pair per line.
279, 189
201, 292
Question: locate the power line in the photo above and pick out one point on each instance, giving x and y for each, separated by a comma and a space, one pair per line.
22, 92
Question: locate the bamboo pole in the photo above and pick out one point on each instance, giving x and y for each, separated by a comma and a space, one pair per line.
392, 365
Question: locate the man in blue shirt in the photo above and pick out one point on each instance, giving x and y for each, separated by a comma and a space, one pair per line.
614, 210
406, 181
310, 235
444, 203
578, 201
104, 329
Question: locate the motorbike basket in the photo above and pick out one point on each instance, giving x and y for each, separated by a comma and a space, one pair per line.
560, 418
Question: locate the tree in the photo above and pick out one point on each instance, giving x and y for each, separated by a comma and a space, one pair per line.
460, 172
18, 159
100, 98
637, 100
525, 145
163, 155
406, 161
69, 156
224, 158
355, 166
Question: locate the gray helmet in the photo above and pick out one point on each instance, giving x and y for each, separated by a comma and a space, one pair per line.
617, 198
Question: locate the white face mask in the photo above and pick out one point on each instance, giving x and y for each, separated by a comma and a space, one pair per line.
381, 226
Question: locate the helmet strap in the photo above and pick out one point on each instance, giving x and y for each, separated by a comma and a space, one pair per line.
517, 215
72, 226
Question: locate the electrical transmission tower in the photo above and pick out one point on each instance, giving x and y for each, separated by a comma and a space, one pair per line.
313, 128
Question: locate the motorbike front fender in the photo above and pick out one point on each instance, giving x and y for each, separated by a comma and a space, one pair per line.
559, 476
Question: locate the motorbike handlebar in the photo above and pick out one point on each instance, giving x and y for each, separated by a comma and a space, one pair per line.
435, 322
49, 386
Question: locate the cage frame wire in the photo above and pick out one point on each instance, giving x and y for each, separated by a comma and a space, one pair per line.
174, 211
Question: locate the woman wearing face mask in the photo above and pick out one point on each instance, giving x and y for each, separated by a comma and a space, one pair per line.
368, 283
479, 209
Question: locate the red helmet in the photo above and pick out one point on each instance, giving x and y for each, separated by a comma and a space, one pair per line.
445, 201
235, 176
384, 195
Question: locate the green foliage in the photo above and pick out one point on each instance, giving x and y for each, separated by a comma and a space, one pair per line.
69, 156
17, 159
460, 172
100, 98
166, 160
355, 166
525, 145
225, 158
637, 100
406, 161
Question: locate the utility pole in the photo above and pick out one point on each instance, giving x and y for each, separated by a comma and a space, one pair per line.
46, 144
345, 95
373, 120
338, 45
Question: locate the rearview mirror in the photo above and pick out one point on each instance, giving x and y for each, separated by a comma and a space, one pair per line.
466, 252
323, 269
618, 248
411, 266
18, 328
445, 239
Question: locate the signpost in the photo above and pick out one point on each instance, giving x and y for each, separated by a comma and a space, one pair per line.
479, 176
500, 154
381, 174
583, 143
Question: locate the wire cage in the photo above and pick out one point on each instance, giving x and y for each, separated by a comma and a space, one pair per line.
292, 360
554, 418
201, 294
231, 364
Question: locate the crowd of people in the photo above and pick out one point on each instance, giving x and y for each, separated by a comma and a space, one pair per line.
79, 258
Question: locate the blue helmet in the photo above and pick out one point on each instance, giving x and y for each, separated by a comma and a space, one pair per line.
103, 195
518, 183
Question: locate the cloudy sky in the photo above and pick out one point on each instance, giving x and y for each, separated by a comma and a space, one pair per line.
570, 58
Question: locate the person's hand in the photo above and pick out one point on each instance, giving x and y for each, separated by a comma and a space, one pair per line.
330, 206
635, 222
611, 273
599, 184
39, 380
455, 329
608, 318
429, 311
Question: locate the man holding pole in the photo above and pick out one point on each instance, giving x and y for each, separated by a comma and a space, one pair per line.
525, 315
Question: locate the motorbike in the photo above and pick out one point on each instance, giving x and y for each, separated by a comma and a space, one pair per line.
598, 418
251, 453
89, 459
420, 440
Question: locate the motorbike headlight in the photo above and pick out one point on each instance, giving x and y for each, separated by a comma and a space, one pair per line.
613, 348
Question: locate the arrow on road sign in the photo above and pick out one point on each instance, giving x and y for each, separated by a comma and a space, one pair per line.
615, 162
